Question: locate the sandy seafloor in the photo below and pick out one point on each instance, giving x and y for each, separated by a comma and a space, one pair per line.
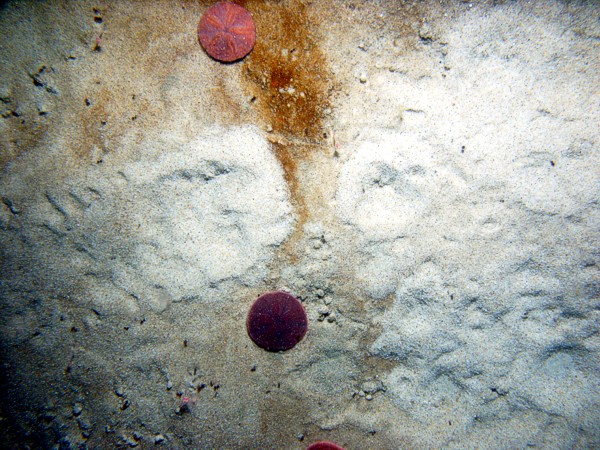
424, 176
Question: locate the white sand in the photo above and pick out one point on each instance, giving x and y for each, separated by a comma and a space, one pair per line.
441, 226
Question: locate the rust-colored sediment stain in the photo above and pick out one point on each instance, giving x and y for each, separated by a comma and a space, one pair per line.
289, 80
287, 71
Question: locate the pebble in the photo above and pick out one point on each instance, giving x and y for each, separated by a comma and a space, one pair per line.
362, 77
42, 107
64, 442
130, 442
169, 385
323, 313
77, 409
159, 438
84, 424
5, 95
426, 33
370, 386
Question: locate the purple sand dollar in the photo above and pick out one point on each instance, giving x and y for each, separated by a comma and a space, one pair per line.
277, 321
324, 445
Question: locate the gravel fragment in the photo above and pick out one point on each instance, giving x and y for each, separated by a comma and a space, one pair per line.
77, 409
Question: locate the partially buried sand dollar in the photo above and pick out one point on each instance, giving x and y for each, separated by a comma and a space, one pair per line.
227, 32
324, 445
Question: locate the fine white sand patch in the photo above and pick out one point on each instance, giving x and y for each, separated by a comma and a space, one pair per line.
214, 210
390, 184
474, 202
462, 358
183, 222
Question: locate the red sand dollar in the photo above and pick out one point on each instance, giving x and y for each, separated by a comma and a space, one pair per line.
227, 32
324, 445
277, 321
